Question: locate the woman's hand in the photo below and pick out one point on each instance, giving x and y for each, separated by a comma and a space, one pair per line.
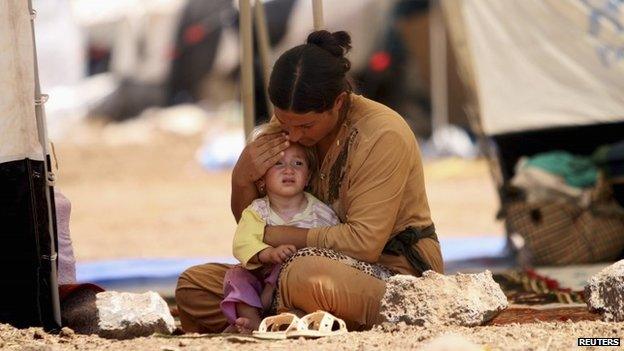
254, 161
276, 255
258, 156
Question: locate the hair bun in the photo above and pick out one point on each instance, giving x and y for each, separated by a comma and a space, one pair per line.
336, 43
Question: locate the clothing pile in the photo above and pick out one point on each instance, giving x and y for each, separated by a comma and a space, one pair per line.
555, 176
568, 208
611, 160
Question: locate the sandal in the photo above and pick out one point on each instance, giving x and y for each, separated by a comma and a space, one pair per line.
317, 325
276, 327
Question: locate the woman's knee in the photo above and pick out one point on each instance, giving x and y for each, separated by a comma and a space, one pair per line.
310, 283
307, 271
206, 279
325, 282
303, 281
202, 275
198, 294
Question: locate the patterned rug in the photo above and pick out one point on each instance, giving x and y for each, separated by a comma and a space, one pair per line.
521, 315
533, 297
530, 288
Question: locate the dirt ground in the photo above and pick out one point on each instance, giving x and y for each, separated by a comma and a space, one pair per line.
536, 336
152, 199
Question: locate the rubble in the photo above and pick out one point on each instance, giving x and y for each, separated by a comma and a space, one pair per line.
605, 292
436, 299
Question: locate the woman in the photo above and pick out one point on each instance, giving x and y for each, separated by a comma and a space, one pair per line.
370, 174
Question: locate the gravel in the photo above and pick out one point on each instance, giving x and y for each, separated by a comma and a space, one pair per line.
533, 336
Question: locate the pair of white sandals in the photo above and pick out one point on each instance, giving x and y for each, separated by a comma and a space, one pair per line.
314, 325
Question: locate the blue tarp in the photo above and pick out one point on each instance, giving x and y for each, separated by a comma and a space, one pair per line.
453, 249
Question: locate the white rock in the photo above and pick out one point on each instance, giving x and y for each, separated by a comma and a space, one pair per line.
127, 315
605, 292
436, 299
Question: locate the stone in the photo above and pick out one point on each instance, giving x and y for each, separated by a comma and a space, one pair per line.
605, 293
66, 333
125, 315
437, 299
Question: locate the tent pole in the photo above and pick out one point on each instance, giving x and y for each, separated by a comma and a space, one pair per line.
317, 11
247, 79
439, 88
43, 139
264, 47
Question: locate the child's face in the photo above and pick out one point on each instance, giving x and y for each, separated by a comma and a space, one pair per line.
290, 175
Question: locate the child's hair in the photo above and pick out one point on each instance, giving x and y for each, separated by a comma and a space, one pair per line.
273, 127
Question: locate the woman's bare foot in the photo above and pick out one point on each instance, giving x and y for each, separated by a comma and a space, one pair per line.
246, 325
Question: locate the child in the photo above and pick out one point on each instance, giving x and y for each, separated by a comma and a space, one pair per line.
248, 288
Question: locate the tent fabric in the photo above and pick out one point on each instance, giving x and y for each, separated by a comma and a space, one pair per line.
30, 290
545, 63
18, 125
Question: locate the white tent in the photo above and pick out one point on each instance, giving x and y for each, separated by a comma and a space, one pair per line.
542, 74
541, 64
29, 285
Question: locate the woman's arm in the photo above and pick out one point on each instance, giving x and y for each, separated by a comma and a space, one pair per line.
257, 157
374, 197
242, 195
285, 235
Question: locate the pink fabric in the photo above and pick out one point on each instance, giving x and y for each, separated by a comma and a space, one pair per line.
242, 286
271, 278
239, 285
66, 260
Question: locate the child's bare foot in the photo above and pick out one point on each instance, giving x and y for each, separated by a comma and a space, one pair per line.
245, 325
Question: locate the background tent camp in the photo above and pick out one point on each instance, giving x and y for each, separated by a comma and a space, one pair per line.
29, 286
545, 76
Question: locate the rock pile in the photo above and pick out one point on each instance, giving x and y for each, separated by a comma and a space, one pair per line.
436, 299
605, 292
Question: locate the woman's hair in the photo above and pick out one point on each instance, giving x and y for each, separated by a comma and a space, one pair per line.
309, 77
274, 127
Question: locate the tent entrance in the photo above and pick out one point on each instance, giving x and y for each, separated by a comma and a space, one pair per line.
579, 140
